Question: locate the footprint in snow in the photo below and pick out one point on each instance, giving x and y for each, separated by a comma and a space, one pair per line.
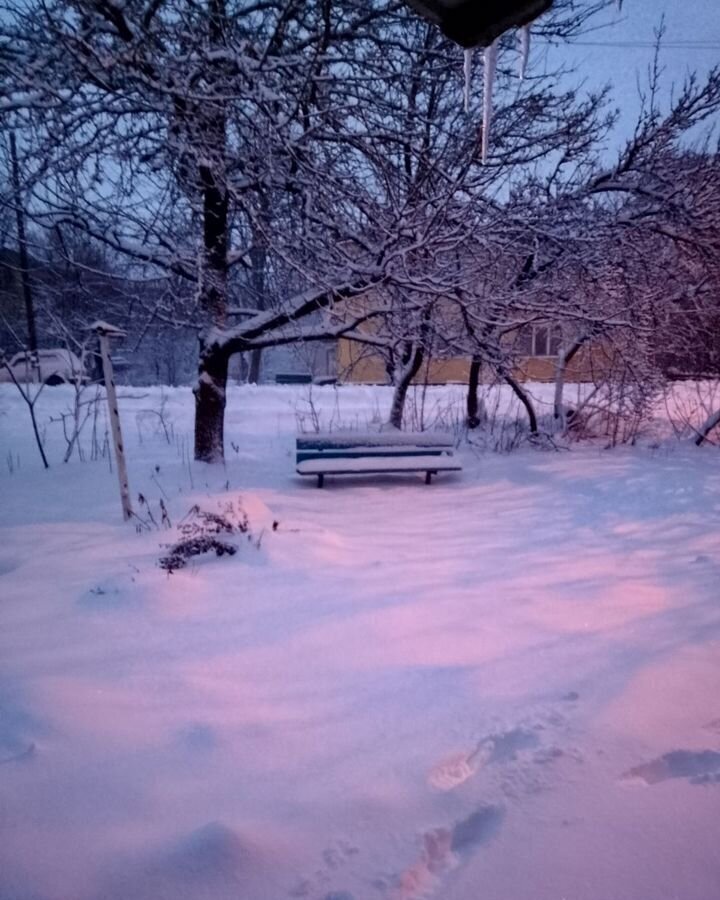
334, 858
453, 771
444, 849
697, 767
501, 748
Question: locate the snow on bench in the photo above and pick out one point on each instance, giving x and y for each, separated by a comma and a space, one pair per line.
356, 453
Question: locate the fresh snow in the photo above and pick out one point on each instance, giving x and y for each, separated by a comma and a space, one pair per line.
505, 685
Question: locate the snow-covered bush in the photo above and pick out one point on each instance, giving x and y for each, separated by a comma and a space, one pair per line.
204, 531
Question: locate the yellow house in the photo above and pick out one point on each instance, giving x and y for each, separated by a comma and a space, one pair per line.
537, 348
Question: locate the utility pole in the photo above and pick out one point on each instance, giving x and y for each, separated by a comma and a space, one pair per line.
22, 250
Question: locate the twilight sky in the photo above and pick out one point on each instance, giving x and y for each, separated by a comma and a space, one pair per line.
621, 53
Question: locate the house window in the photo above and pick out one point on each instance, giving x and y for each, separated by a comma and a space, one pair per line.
539, 340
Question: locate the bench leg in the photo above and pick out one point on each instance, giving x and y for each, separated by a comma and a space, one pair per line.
428, 477
321, 480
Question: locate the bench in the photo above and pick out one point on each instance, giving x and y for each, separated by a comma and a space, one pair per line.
365, 454
293, 378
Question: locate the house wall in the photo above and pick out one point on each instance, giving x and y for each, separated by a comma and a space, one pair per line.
358, 365
589, 363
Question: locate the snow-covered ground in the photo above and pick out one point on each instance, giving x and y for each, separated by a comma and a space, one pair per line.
504, 686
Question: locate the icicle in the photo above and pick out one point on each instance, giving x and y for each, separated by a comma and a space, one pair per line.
490, 63
524, 49
468, 76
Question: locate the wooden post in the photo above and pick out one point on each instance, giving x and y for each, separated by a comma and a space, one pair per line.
104, 333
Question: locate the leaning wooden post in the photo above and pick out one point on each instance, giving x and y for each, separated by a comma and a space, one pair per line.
104, 333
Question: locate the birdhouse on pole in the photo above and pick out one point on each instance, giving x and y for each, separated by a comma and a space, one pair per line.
105, 332
478, 23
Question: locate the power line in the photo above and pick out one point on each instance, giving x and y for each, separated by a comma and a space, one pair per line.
634, 45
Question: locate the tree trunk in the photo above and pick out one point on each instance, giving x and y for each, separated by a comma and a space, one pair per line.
525, 400
712, 422
22, 250
210, 392
213, 363
564, 359
408, 372
258, 262
255, 367
210, 395
473, 420
208, 130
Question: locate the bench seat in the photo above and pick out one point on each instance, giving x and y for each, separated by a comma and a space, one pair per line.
369, 454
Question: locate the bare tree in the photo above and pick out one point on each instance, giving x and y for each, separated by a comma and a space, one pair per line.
168, 131
302, 157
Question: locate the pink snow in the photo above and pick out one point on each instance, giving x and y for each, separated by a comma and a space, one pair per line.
449, 691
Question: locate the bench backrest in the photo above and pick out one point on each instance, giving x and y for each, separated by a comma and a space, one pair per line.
348, 440
293, 378
354, 445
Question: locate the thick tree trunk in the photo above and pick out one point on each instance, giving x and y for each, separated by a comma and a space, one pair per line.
405, 378
212, 377
255, 367
210, 395
213, 363
208, 130
473, 406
